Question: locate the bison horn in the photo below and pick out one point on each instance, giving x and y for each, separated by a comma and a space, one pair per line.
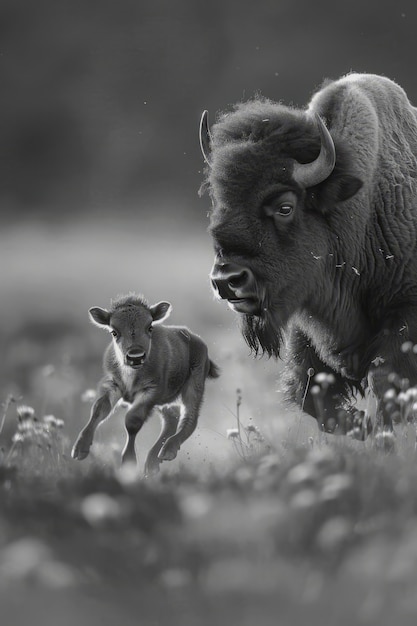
310, 174
205, 138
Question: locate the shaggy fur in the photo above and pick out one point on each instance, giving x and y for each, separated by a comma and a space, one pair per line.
340, 277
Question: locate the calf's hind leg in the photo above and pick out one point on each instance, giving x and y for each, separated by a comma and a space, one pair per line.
169, 417
192, 397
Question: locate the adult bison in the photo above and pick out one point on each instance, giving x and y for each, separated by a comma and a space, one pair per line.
314, 224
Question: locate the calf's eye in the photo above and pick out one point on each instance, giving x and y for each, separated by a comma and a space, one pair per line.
114, 333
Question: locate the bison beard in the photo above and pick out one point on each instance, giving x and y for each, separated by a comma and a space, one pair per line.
262, 334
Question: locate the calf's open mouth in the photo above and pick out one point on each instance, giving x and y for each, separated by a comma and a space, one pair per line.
135, 361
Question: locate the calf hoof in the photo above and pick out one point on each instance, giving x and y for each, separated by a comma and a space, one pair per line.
79, 454
129, 459
151, 469
168, 451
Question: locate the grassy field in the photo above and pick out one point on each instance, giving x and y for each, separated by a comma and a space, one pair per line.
275, 525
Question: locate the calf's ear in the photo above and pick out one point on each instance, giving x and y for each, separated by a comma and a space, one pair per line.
161, 311
99, 317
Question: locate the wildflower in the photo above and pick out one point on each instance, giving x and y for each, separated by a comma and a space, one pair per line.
334, 533
394, 379
232, 433
321, 458
89, 395
324, 379
195, 505
51, 420
26, 426
390, 394
128, 474
99, 508
18, 437
402, 398
25, 412
301, 473
316, 390
385, 441
355, 433
304, 499
21, 558
378, 360
407, 346
30, 558
335, 486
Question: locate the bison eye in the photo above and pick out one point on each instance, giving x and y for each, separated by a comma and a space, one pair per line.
281, 207
284, 209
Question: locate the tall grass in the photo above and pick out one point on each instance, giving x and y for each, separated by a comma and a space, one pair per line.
327, 527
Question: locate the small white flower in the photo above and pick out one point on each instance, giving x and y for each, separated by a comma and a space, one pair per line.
334, 533
232, 433
25, 412
304, 499
195, 505
335, 486
53, 421
89, 395
301, 473
378, 360
100, 507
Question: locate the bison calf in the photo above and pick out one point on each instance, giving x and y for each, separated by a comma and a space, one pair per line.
148, 365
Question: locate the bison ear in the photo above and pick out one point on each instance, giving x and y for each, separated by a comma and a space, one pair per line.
345, 186
160, 311
99, 317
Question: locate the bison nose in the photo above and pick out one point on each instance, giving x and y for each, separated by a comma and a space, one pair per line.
231, 281
135, 357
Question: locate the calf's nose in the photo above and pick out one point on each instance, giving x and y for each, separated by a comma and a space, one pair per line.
231, 280
135, 356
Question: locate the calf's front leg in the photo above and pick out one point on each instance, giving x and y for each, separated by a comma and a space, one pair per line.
100, 410
134, 420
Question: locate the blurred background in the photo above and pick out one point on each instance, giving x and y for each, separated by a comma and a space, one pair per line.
100, 167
